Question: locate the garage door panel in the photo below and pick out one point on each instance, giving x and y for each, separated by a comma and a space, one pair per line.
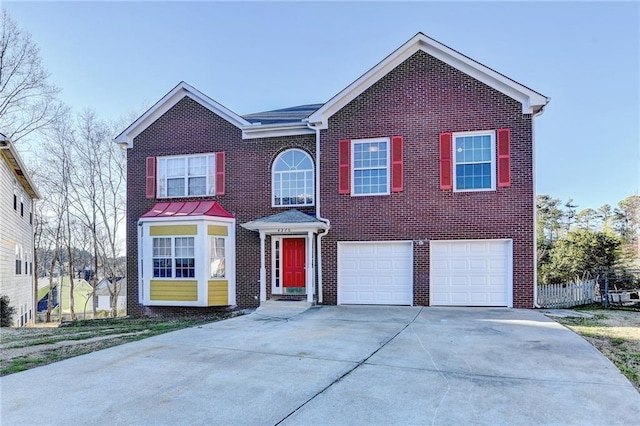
477, 248
481, 264
459, 264
470, 273
375, 273
457, 281
479, 298
459, 298
478, 281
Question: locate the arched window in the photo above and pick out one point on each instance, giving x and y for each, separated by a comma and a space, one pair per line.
293, 179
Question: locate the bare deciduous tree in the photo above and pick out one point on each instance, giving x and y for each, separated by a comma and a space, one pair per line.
28, 102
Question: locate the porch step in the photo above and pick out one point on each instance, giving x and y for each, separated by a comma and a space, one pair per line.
282, 308
285, 303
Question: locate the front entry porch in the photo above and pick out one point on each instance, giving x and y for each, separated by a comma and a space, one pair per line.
292, 235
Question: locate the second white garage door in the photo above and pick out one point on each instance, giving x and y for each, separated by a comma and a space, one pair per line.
470, 273
375, 273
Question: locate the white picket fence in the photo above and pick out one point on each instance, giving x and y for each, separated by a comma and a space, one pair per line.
567, 295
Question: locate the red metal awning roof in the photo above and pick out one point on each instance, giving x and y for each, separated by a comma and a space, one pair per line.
188, 208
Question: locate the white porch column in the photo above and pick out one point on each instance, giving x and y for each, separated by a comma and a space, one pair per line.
263, 270
310, 274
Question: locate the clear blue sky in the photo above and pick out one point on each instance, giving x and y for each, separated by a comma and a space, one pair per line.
119, 57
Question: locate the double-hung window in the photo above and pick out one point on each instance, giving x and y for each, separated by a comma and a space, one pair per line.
370, 171
173, 257
474, 156
186, 176
218, 257
162, 259
18, 260
185, 257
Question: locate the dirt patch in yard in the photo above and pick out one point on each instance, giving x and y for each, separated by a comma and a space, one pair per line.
615, 333
25, 348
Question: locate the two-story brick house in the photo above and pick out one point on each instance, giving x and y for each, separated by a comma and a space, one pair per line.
412, 186
17, 200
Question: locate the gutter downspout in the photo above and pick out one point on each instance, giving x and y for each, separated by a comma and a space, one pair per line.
535, 212
317, 200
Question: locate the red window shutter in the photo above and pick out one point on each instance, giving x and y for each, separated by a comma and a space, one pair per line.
219, 173
446, 165
344, 158
504, 158
151, 177
397, 184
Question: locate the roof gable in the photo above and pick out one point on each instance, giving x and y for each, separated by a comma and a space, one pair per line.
532, 101
290, 219
167, 102
11, 156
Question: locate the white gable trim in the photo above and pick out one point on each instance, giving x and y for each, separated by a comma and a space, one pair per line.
183, 89
11, 156
532, 101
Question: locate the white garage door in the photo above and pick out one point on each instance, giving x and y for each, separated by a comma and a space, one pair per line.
471, 273
375, 273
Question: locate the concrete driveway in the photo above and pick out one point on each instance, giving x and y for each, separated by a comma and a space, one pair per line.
336, 366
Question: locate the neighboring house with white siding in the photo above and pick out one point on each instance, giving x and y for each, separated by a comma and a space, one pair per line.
17, 200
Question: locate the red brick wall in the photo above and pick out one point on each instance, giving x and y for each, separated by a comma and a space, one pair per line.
189, 128
420, 99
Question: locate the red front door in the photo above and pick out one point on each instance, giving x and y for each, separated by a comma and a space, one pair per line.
293, 262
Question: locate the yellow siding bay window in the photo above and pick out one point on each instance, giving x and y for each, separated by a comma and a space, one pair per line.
187, 261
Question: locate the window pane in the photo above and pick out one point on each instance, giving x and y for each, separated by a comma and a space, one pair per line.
473, 176
175, 167
175, 187
185, 247
197, 185
217, 257
162, 268
197, 166
162, 247
212, 174
162, 177
185, 268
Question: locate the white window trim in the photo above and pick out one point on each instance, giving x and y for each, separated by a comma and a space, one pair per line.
210, 272
210, 174
352, 169
173, 257
273, 181
492, 134
18, 258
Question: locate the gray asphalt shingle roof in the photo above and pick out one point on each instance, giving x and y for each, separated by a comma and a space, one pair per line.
286, 115
290, 216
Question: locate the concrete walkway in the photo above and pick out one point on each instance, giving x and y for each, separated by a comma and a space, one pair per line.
336, 366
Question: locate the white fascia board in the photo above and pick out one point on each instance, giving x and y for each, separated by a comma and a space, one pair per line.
183, 89
24, 178
531, 100
255, 131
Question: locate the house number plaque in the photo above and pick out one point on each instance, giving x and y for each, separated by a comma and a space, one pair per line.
284, 229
